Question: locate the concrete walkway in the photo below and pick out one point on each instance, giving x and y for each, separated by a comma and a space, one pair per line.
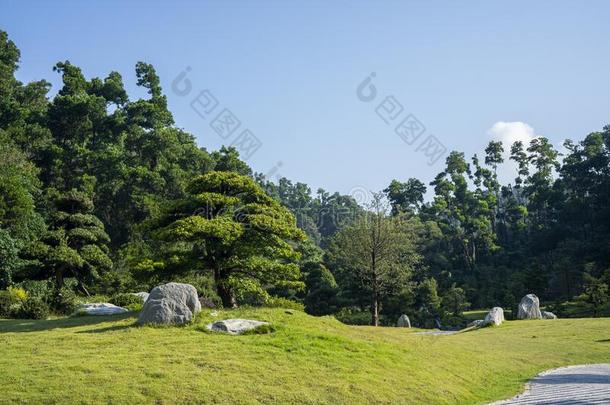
578, 385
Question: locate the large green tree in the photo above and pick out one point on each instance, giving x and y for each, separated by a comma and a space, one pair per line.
236, 231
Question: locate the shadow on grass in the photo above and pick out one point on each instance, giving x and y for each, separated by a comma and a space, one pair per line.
603, 341
25, 325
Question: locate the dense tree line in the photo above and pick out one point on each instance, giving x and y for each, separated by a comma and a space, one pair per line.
100, 193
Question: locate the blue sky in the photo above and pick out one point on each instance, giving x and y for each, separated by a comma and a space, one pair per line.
289, 70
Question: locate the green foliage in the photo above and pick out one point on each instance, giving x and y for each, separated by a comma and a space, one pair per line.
64, 301
33, 308
248, 292
76, 242
405, 197
595, 293
428, 303
281, 302
353, 316
9, 304
127, 300
322, 290
229, 226
454, 301
378, 252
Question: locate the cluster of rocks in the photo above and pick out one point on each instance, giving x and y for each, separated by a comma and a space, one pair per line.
529, 308
173, 304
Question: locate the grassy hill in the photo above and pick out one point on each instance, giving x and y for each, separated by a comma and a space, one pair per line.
306, 360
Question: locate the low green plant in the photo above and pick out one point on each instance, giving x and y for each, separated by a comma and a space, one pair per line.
42, 289
7, 304
11, 301
353, 316
134, 307
127, 300
33, 308
280, 302
64, 301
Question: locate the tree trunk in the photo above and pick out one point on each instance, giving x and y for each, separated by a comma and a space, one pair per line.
375, 310
59, 278
224, 291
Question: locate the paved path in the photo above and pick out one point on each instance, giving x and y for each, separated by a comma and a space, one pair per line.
574, 385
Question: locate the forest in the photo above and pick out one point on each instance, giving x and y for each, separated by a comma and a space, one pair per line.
102, 194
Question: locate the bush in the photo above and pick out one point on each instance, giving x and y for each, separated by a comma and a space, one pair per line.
127, 301
42, 289
249, 292
353, 316
7, 304
64, 301
322, 289
33, 308
11, 301
19, 294
279, 302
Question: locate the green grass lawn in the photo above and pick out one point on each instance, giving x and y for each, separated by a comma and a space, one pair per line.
306, 360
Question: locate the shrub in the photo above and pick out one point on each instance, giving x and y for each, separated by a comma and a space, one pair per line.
279, 302
11, 301
127, 300
33, 308
353, 316
8, 304
64, 301
322, 289
454, 301
249, 292
18, 294
42, 289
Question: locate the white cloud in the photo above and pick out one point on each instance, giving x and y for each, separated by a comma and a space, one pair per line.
509, 133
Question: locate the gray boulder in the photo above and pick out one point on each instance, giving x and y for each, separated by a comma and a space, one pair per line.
495, 316
235, 326
99, 309
548, 315
142, 294
170, 304
529, 308
403, 321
